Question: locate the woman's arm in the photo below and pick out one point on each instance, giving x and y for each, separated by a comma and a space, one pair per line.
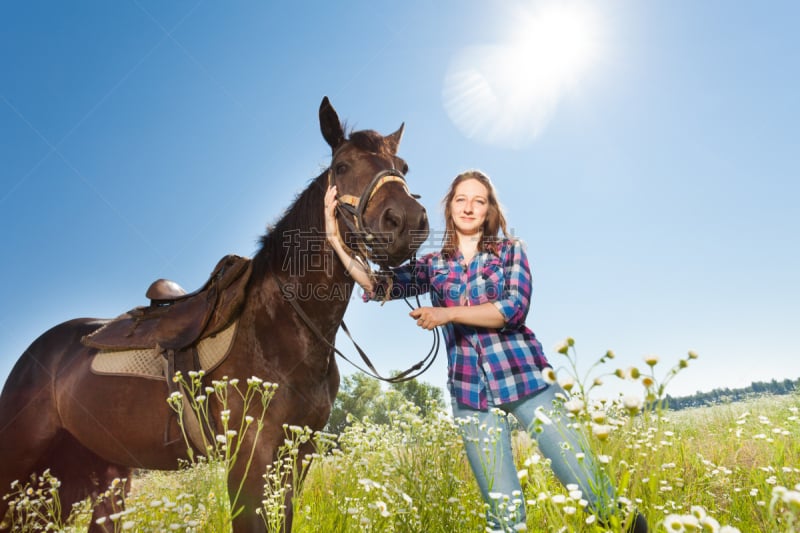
509, 311
356, 269
515, 301
484, 315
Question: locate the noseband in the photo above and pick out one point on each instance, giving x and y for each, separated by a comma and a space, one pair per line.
356, 207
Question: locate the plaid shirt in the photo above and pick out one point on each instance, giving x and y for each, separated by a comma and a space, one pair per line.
509, 360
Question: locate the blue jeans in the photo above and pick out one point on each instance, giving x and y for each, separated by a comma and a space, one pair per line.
487, 440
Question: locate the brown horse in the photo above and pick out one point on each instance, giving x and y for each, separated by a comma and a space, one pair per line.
89, 429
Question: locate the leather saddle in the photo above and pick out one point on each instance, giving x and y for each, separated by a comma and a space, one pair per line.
175, 320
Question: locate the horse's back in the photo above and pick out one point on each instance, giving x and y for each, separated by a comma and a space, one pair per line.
39, 364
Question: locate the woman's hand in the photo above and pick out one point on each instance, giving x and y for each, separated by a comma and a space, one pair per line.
484, 315
430, 317
331, 226
356, 269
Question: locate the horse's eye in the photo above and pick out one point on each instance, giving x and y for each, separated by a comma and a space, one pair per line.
341, 168
405, 169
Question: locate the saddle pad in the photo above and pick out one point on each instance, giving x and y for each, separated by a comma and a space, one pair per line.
148, 363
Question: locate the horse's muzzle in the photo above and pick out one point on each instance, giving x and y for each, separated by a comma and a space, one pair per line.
402, 231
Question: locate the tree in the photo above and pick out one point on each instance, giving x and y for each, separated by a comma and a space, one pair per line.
424, 395
361, 395
357, 396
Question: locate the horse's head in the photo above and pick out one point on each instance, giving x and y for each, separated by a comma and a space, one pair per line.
379, 217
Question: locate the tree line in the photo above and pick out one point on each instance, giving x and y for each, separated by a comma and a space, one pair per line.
727, 395
362, 396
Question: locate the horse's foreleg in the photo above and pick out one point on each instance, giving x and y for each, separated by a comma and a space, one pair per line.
294, 485
278, 490
263, 504
245, 502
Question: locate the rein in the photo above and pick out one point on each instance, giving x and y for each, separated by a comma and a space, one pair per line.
407, 375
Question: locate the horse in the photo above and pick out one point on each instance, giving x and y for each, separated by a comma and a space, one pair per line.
91, 430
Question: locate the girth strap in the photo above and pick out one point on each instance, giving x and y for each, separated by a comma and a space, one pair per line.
193, 429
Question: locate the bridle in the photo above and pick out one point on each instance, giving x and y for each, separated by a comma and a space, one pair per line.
352, 206
351, 209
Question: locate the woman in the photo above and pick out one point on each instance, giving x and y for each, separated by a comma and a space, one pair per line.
480, 287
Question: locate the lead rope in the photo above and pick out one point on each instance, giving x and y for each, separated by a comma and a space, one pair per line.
406, 375
421, 366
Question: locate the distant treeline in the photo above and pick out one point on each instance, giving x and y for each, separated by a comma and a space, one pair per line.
726, 395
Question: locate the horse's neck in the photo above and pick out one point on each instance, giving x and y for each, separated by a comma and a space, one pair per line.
297, 277
312, 286
322, 291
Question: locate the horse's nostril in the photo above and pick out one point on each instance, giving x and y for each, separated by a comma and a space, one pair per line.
422, 223
393, 220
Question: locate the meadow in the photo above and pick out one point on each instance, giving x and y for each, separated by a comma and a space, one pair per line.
725, 468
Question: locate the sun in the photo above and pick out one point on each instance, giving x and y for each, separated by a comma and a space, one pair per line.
560, 41
507, 93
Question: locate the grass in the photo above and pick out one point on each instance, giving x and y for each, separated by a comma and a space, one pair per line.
724, 468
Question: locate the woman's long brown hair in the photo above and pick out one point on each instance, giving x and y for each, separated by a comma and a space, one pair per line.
495, 220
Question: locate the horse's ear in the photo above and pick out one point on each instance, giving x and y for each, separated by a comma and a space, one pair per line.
330, 125
393, 140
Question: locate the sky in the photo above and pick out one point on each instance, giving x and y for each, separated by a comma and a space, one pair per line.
645, 152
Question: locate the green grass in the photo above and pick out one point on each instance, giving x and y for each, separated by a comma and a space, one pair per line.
705, 469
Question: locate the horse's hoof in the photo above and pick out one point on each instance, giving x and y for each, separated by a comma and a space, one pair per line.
638, 525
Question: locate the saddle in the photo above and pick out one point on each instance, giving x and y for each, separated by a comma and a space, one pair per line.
174, 324
175, 320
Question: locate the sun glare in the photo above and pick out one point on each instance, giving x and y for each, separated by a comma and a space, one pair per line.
561, 38
507, 93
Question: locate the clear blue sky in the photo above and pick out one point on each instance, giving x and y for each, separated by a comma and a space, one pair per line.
656, 187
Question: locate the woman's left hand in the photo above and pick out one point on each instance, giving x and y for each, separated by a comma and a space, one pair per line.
430, 317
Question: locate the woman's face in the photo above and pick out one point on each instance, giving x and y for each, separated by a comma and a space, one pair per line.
469, 207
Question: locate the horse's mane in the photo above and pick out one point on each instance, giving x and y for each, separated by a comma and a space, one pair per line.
305, 214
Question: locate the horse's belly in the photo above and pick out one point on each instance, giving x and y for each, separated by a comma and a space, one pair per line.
125, 420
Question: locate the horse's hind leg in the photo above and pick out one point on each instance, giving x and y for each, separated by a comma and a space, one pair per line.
84, 474
116, 481
26, 438
28, 468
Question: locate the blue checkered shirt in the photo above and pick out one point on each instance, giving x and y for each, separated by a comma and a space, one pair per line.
508, 360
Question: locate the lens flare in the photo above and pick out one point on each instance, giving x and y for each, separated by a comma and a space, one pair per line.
507, 93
